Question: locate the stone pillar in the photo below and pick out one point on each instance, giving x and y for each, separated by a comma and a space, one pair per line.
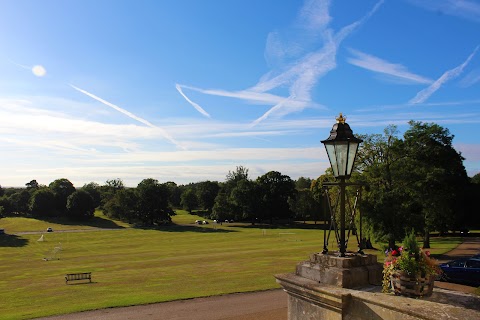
351, 271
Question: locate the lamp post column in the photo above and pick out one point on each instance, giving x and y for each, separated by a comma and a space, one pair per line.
342, 217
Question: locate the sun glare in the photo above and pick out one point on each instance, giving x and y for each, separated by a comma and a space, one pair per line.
39, 71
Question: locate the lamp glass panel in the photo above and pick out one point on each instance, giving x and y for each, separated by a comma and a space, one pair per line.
332, 158
352, 151
341, 152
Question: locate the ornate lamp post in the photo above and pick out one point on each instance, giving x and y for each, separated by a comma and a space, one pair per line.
342, 147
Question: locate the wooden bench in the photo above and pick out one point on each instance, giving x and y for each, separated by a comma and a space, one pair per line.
78, 276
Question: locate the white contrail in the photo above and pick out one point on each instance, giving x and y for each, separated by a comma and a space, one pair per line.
375, 64
128, 114
311, 68
195, 105
423, 95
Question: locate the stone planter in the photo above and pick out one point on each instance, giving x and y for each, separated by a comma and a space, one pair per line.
412, 286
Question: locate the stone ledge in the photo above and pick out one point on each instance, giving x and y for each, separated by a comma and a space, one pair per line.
309, 299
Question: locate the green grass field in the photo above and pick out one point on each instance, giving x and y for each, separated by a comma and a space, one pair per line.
137, 266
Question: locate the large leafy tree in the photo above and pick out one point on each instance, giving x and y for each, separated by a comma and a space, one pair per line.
153, 202
80, 205
108, 190
276, 189
189, 200
42, 203
123, 205
206, 193
222, 208
247, 200
304, 205
386, 203
19, 201
437, 179
93, 189
61, 188
32, 185
417, 182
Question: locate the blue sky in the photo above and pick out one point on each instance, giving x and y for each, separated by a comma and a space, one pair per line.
185, 90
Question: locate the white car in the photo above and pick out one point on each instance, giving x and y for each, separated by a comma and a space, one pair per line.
49, 229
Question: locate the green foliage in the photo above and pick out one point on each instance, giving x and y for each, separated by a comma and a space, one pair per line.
303, 183
222, 208
206, 193
93, 190
276, 189
415, 183
42, 203
80, 205
61, 188
189, 200
153, 202
475, 179
123, 205
410, 243
19, 201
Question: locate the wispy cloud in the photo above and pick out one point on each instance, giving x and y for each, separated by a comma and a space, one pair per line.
195, 105
301, 75
471, 78
247, 95
375, 64
128, 114
465, 9
304, 74
423, 95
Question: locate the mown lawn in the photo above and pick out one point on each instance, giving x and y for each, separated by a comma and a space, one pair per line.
137, 266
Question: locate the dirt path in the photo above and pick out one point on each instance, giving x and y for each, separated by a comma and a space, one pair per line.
264, 305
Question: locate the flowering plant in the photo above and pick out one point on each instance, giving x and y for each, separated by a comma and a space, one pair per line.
410, 259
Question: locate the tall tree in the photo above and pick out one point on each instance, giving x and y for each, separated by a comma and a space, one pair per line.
153, 202
206, 193
437, 177
304, 205
61, 188
19, 201
276, 189
93, 189
386, 204
303, 183
80, 205
32, 185
246, 197
222, 207
42, 203
123, 205
189, 200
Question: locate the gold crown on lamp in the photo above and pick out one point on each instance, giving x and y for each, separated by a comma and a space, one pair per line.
341, 119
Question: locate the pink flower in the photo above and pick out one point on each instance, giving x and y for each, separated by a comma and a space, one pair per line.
427, 253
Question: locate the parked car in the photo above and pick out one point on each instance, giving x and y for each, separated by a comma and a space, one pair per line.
49, 229
465, 270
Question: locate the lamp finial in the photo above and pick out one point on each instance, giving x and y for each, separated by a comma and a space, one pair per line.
341, 119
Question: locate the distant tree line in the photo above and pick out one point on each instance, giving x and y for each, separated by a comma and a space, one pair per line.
417, 182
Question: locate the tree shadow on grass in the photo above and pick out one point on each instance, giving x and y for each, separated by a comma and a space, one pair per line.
295, 225
11, 240
97, 222
186, 228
